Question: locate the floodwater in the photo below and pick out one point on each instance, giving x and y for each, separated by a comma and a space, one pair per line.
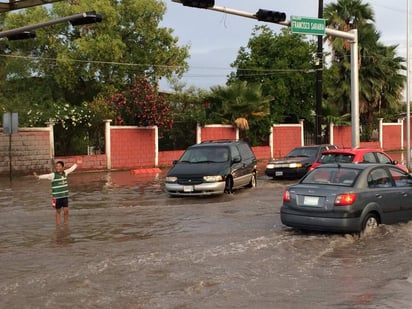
128, 245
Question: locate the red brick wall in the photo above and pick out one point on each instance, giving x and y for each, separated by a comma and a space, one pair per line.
261, 152
216, 132
369, 145
391, 137
132, 147
88, 162
166, 157
405, 132
286, 137
342, 136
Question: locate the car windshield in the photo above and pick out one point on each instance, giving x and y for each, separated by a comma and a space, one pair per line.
303, 152
336, 158
205, 154
332, 175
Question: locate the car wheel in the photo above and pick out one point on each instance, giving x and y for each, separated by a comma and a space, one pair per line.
229, 185
252, 183
370, 222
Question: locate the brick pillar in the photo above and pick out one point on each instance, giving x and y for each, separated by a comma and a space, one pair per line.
107, 143
380, 133
156, 140
50, 125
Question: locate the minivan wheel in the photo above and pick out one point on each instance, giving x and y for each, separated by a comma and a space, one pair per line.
229, 185
370, 222
252, 183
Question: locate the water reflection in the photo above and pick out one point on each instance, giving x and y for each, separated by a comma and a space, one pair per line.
62, 235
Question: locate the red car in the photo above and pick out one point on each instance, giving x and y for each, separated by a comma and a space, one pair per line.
357, 155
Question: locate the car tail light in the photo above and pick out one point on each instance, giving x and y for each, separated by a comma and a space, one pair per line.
345, 199
286, 196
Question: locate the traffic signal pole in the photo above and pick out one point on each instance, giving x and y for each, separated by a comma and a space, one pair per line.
76, 19
352, 36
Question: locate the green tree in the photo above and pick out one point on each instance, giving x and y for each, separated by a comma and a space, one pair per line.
189, 107
74, 65
283, 64
380, 78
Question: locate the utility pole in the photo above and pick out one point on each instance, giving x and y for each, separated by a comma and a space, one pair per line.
319, 82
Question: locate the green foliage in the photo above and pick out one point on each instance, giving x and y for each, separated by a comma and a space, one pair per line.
380, 70
283, 64
189, 107
78, 66
62, 114
188, 104
239, 99
259, 131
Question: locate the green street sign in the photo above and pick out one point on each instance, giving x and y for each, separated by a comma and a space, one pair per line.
307, 25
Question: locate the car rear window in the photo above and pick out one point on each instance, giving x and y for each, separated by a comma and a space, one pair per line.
336, 158
303, 152
332, 175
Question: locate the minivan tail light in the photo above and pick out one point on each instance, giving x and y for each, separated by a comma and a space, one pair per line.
286, 196
345, 199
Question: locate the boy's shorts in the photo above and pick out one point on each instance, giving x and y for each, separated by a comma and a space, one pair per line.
62, 202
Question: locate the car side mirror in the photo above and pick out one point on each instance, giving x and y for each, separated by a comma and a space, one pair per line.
236, 159
394, 162
175, 162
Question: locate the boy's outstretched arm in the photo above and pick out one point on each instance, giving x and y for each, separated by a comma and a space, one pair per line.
44, 176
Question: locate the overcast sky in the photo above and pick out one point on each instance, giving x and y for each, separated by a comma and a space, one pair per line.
215, 37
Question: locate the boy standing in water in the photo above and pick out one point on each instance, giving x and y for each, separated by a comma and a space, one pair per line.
60, 189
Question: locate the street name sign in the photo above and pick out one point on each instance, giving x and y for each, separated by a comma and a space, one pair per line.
307, 25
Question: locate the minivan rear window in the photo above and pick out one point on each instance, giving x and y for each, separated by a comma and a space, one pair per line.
336, 158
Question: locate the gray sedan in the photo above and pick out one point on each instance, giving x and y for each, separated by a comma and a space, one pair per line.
348, 198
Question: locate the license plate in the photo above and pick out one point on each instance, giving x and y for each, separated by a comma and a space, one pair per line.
311, 201
188, 189
280, 173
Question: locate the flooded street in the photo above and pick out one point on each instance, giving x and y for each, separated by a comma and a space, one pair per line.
129, 245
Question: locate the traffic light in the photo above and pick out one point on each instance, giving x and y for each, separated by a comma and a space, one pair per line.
22, 35
87, 18
270, 16
202, 4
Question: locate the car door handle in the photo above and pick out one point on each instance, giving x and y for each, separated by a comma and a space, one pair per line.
404, 194
378, 195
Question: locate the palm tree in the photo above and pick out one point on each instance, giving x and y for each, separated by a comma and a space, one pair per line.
240, 103
380, 78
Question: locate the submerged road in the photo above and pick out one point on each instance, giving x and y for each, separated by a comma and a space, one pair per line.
129, 245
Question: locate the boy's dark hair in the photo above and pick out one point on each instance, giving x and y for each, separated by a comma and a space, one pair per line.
61, 163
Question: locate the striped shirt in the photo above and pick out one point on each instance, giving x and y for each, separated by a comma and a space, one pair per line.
59, 184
